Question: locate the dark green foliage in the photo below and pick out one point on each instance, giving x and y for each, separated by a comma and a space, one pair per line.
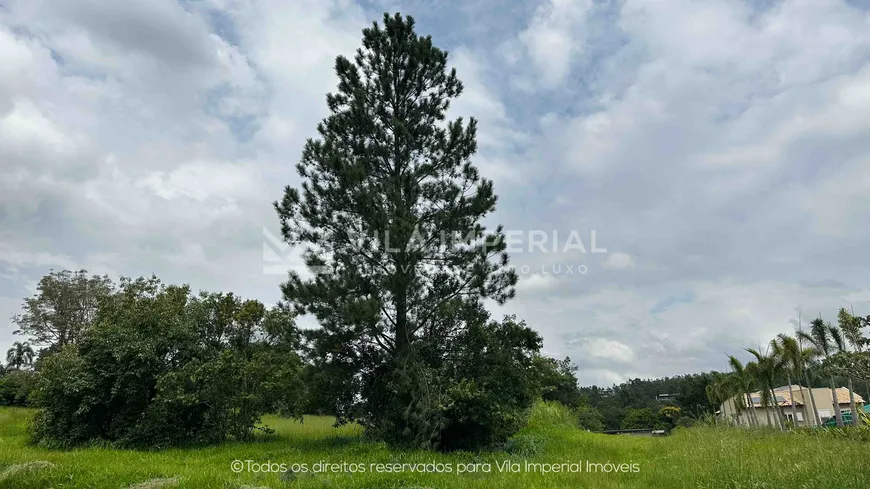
649, 419
491, 386
389, 211
64, 306
19, 356
16, 386
614, 403
318, 391
558, 382
640, 419
160, 367
590, 418
479, 395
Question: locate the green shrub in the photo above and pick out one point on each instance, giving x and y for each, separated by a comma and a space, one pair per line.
639, 419
590, 418
478, 399
162, 368
557, 380
16, 386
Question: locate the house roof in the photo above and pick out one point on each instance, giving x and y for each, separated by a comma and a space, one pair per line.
842, 393
784, 395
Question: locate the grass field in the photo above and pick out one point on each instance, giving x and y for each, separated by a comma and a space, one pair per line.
694, 458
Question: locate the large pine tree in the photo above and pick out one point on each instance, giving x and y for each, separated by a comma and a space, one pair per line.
390, 211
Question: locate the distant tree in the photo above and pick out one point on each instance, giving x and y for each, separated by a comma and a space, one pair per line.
744, 380
590, 418
64, 306
805, 357
390, 210
16, 386
849, 330
691, 393
640, 419
787, 350
558, 380
668, 417
766, 368
19, 356
613, 403
820, 337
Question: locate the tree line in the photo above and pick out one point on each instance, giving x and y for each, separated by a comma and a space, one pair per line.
636, 403
140, 363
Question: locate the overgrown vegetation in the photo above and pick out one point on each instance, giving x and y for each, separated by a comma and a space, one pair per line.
637, 400
698, 457
161, 367
389, 213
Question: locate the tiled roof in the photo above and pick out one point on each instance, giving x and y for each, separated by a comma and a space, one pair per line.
842, 393
843, 396
784, 396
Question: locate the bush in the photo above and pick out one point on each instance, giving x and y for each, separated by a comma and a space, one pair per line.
16, 386
637, 419
478, 399
557, 380
162, 368
590, 418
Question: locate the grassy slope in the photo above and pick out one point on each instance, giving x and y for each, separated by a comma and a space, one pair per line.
696, 458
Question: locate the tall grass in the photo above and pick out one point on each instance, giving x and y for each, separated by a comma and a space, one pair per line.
703, 457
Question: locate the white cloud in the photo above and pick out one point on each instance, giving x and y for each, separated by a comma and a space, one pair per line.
554, 38
718, 145
618, 261
605, 349
536, 282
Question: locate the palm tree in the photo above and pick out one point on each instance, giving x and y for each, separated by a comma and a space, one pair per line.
744, 380
807, 355
788, 351
719, 391
850, 329
20, 355
766, 368
820, 337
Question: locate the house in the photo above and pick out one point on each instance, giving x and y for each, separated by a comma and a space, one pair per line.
666, 397
797, 395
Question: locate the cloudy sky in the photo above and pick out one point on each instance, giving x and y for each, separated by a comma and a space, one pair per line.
718, 149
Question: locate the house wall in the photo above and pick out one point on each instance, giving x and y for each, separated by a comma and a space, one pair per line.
823, 400
825, 404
